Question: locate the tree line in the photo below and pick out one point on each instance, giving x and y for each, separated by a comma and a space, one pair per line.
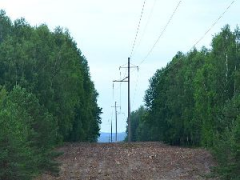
46, 97
195, 101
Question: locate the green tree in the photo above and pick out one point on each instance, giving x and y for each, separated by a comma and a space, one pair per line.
194, 101
50, 65
17, 158
49, 96
226, 146
136, 119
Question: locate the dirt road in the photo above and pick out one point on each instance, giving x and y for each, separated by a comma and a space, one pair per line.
132, 161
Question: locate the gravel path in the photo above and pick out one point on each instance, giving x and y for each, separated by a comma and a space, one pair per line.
137, 161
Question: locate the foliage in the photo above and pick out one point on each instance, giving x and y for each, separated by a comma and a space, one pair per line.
27, 136
136, 119
49, 94
227, 144
17, 159
194, 101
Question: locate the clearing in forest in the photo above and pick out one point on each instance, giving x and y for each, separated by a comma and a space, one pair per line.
138, 161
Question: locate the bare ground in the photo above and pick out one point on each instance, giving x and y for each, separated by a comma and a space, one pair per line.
133, 161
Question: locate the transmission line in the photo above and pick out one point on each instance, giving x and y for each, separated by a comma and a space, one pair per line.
135, 89
213, 24
138, 27
161, 34
148, 20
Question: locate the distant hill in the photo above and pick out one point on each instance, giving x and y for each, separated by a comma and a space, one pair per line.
105, 137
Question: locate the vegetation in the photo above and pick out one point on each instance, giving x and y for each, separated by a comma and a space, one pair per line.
195, 101
46, 97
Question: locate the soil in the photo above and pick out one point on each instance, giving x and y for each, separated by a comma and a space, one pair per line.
131, 161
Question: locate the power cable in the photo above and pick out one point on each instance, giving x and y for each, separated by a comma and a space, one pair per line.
213, 24
148, 20
135, 90
138, 27
161, 34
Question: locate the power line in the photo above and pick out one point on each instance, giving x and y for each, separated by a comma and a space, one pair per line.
135, 90
120, 93
161, 34
138, 27
213, 24
115, 106
148, 20
127, 79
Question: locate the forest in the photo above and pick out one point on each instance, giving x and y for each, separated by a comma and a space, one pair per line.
195, 101
47, 97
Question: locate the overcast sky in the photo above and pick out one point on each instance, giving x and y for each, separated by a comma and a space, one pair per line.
105, 30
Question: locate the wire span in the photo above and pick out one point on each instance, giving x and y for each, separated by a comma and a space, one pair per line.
138, 27
145, 28
220, 17
161, 34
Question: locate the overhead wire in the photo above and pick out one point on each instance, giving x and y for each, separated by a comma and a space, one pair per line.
137, 32
135, 90
148, 21
161, 34
208, 30
120, 93
113, 97
215, 22
119, 88
138, 27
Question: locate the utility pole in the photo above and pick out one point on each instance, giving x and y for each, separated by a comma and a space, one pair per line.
115, 106
116, 119
111, 130
127, 79
129, 104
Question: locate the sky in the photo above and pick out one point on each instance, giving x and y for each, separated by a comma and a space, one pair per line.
105, 31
